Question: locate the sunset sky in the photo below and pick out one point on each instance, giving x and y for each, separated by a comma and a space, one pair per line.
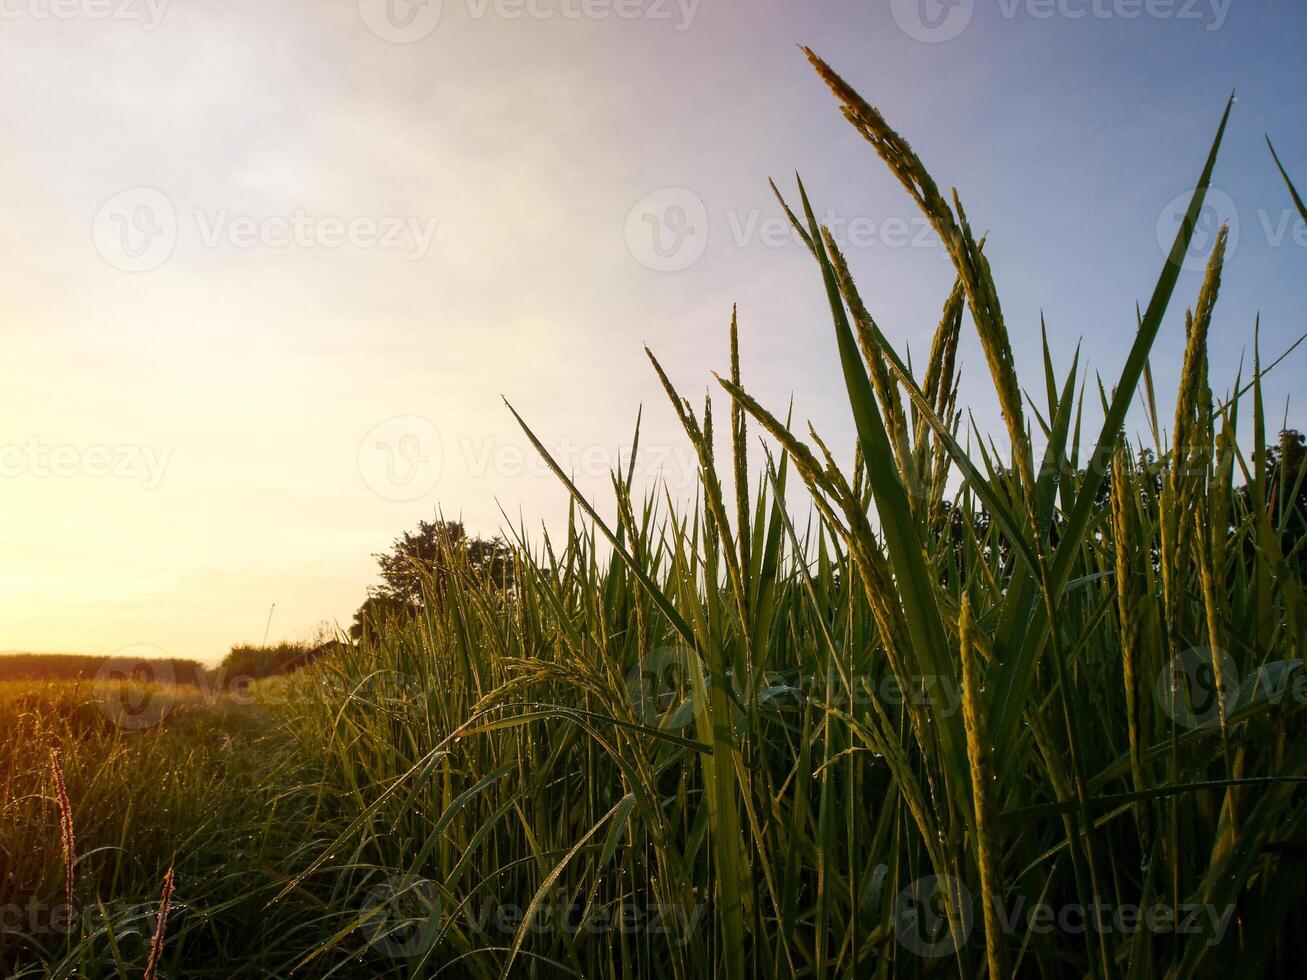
270, 265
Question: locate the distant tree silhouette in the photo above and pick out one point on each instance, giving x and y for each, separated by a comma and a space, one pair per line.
420, 562
376, 613
1285, 503
1286, 493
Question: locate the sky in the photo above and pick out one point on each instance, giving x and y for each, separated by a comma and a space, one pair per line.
271, 266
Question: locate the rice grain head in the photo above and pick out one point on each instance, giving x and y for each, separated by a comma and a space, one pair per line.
160, 926
988, 846
67, 838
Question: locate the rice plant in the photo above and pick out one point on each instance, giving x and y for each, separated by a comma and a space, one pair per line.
982, 711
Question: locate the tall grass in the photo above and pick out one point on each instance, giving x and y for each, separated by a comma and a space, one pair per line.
732, 740
971, 683
86, 840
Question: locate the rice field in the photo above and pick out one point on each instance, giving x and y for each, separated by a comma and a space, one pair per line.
1023, 703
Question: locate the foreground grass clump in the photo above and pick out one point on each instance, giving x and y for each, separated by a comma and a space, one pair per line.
1005, 713
198, 780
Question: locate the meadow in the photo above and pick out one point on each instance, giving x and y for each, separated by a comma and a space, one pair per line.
1027, 703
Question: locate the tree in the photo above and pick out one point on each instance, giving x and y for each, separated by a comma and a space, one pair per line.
421, 561
376, 614
1285, 493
